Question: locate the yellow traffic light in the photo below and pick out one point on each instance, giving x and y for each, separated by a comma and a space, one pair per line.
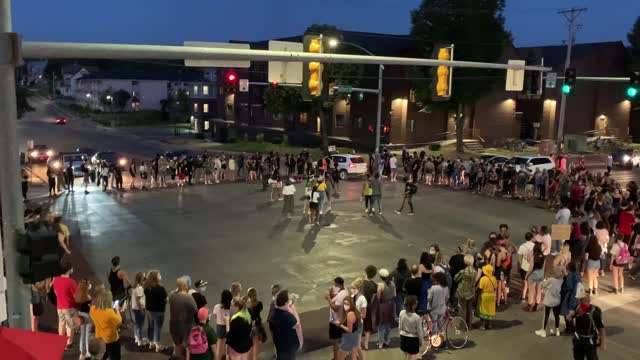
442, 86
314, 82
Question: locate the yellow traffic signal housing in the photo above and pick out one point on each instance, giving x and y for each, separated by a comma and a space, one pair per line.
312, 71
441, 89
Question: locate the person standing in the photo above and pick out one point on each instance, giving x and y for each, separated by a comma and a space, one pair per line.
376, 194
350, 333
222, 312
133, 169
366, 194
118, 281
106, 319
138, 302
182, 312
385, 294
438, 298
535, 276
202, 338
155, 296
369, 289
411, 329
335, 298
400, 275
70, 177
562, 217
85, 167
465, 293
239, 331
258, 333
51, 180
198, 293
552, 301
488, 285
620, 258
83, 300
285, 327
39, 292
393, 168
361, 304
288, 192
525, 251
65, 288
592, 255
589, 333
409, 190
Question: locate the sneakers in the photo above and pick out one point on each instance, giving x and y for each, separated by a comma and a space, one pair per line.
410, 214
621, 290
379, 212
557, 332
541, 333
398, 212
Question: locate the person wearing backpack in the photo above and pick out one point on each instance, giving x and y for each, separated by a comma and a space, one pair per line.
589, 335
202, 338
410, 189
620, 258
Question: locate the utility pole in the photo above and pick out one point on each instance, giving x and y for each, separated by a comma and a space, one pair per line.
571, 15
10, 194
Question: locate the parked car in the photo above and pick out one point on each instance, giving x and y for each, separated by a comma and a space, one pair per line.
349, 165
111, 157
61, 120
86, 150
531, 162
493, 159
627, 158
64, 159
40, 153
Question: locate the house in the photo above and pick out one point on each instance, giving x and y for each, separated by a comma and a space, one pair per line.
150, 85
68, 85
594, 107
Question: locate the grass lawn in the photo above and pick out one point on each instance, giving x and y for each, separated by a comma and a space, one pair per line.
263, 147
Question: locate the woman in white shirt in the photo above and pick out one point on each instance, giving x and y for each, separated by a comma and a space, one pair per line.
361, 306
138, 307
602, 234
288, 191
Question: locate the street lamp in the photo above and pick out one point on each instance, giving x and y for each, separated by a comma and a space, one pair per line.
334, 43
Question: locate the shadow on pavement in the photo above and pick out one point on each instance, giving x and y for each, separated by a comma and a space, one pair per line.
505, 324
279, 227
310, 239
384, 225
614, 330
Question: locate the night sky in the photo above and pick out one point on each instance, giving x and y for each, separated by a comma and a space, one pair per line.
173, 21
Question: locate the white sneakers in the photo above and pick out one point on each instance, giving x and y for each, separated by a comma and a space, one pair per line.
541, 333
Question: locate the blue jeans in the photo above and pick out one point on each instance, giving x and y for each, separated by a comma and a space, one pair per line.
375, 199
138, 318
384, 334
156, 319
321, 200
556, 246
85, 333
456, 179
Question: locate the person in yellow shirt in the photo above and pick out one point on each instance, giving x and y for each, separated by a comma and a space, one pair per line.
322, 191
63, 234
106, 319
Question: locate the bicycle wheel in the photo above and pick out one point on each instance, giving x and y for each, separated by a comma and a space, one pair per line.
427, 346
457, 332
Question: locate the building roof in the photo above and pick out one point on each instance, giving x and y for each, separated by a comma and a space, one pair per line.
137, 71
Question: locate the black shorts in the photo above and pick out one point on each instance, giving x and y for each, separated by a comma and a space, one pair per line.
523, 274
409, 345
313, 205
334, 332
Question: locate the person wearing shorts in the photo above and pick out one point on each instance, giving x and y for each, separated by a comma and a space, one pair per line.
411, 329
65, 288
222, 311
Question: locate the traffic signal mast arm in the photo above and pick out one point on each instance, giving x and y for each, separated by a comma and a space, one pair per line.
60, 50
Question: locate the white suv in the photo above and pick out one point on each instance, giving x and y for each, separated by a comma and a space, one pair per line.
531, 162
349, 164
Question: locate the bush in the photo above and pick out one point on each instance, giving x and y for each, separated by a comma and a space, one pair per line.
434, 147
260, 137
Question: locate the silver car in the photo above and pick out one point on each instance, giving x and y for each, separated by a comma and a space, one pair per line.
349, 165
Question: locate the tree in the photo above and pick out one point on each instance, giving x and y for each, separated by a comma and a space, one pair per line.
106, 99
634, 40
477, 30
22, 104
120, 99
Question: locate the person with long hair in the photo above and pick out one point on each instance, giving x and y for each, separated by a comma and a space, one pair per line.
239, 331
361, 304
258, 334
411, 329
106, 319
535, 276
592, 257
83, 300
602, 234
620, 258
400, 274
222, 312
155, 296
350, 332
138, 308
564, 258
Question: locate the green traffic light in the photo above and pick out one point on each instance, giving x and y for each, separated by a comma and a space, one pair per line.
566, 89
632, 92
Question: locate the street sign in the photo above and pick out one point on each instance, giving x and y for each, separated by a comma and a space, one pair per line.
285, 71
515, 78
218, 63
551, 80
345, 89
243, 85
331, 148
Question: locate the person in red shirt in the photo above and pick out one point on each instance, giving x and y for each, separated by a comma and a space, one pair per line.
626, 219
577, 197
65, 289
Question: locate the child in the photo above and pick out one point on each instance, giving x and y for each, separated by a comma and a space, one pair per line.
552, 301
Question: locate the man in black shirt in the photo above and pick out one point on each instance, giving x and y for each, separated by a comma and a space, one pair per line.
589, 329
409, 190
414, 285
200, 287
285, 328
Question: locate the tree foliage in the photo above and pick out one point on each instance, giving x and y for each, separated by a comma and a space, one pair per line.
120, 99
22, 102
634, 40
106, 99
477, 30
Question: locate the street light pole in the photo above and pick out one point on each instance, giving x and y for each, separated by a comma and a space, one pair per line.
10, 194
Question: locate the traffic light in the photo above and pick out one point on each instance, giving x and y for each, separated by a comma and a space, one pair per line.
634, 85
39, 255
230, 82
569, 81
274, 84
441, 85
312, 71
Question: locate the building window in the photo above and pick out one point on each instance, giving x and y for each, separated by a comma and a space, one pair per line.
205, 108
195, 90
195, 107
412, 125
303, 118
205, 89
340, 121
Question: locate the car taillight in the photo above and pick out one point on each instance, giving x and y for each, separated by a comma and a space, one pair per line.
352, 165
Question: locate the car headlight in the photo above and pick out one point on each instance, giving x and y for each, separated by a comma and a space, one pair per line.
34, 153
626, 158
56, 164
49, 153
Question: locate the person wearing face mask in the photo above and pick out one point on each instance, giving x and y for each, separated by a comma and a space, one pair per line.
65, 288
335, 298
361, 305
350, 327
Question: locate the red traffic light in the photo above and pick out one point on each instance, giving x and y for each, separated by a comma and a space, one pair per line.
370, 128
231, 77
386, 129
274, 84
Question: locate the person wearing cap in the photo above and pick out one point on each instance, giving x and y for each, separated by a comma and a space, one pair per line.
198, 294
202, 322
589, 332
386, 294
335, 298
488, 284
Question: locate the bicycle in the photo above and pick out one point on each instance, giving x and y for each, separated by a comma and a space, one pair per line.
455, 328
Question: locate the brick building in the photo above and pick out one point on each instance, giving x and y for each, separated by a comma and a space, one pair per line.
593, 107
